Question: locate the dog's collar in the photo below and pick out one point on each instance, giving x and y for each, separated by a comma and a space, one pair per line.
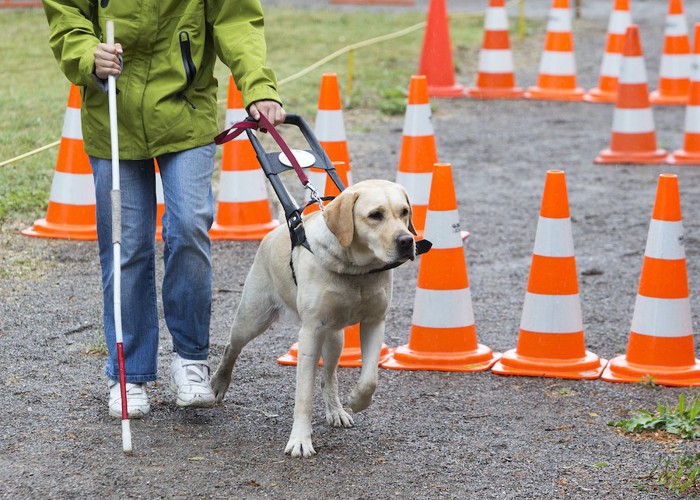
422, 246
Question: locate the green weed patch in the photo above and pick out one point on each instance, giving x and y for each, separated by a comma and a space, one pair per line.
682, 474
682, 420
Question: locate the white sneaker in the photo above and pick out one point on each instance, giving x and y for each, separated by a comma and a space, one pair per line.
189, 379
136, 400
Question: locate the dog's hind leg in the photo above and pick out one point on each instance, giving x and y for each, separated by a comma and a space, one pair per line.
336, 416
255, 314
310, 340
371, 338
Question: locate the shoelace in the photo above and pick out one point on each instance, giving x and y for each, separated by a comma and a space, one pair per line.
194, 372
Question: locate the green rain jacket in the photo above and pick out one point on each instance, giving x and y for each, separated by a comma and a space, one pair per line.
166, 99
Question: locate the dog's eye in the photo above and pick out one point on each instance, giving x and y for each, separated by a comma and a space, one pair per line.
376, 215
404, 212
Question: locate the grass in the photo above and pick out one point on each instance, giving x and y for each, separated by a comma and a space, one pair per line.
382, 66
682, 420
682, 474
33, 98
34, 92
98, 345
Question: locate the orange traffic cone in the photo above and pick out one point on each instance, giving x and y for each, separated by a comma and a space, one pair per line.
620, 19
418, 151
633, 135
660, 346
674, 72
557, 77
690, 154
443, 334
436, 55
243, 210
496, 78
330, 127
551, 340
71, 211
160, 201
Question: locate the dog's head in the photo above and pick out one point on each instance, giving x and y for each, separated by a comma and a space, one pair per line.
372, 221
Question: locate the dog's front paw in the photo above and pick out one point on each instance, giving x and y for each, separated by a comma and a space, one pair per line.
299, 445
337, 417
219, 384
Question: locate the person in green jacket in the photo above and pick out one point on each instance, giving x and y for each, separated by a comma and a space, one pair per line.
166, 106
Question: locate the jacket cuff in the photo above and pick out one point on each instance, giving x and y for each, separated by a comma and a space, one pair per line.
101, 84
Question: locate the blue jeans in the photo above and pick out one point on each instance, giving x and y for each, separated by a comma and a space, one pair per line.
186, 290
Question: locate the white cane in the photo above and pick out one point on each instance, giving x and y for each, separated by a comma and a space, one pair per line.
116, 242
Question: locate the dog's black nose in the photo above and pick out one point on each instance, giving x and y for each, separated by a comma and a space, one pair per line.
405, 243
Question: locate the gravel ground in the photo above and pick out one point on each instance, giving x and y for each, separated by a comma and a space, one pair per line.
428, 434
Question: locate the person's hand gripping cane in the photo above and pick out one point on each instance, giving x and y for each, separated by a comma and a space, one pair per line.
107, 62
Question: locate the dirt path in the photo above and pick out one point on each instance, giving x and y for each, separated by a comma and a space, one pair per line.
428, 434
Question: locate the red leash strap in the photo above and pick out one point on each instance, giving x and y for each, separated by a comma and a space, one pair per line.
234, 131
263, 123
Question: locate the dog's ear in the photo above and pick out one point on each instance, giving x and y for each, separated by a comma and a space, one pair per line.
410, 216
339, 217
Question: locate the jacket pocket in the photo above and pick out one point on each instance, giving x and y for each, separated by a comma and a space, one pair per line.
188, 64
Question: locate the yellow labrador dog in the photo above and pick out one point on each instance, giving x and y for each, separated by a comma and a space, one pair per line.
367, 227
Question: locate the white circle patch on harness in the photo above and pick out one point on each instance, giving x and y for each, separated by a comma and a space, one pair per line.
304, 158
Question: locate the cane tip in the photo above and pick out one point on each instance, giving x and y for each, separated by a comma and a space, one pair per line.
126, 437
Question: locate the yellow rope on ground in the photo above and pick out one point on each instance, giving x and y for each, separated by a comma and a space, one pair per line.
303, 72
348, 48
30, 153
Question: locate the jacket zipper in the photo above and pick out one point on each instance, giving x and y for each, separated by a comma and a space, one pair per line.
188, 63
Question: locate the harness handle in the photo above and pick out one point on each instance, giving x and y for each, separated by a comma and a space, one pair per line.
263, 123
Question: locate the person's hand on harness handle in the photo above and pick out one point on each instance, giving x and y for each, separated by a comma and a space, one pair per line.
107, 61
272, 110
